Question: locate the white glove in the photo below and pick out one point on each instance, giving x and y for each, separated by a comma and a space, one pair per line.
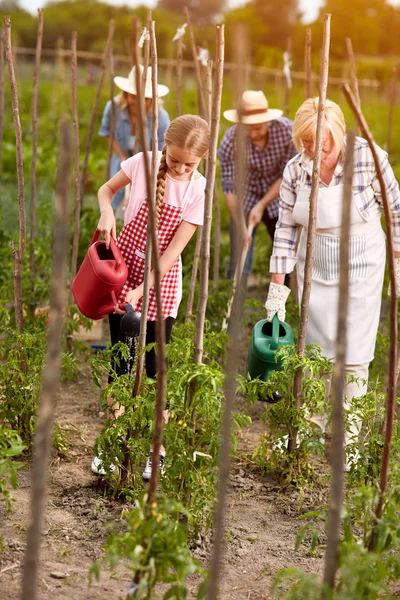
397, 275
275, 304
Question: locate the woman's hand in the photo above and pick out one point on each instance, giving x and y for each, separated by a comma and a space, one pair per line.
107, 225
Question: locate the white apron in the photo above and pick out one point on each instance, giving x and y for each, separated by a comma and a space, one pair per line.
367, 255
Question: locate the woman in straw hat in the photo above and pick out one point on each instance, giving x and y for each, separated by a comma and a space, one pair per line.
125, 111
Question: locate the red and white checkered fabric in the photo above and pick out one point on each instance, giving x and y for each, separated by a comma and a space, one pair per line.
132, 243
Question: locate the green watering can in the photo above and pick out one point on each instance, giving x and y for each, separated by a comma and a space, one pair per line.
266, 338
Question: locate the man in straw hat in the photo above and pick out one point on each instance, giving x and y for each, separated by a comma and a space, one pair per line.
125, 111
269, 147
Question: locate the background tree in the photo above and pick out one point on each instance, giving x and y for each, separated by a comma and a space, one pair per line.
202, 12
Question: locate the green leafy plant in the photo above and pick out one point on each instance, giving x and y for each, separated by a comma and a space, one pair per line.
11, 446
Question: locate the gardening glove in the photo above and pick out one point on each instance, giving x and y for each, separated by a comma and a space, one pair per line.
275, 304
397, 275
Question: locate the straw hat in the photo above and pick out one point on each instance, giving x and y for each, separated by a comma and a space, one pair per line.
252, 109
128, 84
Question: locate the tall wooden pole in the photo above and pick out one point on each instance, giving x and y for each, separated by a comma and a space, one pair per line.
34, 145
200, 91
210, 176
392, 380
307, 65
75, 122
337, 458
43, 435
392, 103
309, 260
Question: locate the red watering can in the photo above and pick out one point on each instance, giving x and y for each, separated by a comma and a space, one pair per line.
100, 279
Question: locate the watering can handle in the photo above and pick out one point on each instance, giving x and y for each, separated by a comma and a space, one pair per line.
113, 246
275, 332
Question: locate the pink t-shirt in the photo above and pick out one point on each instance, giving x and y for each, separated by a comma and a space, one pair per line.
174, 195
177, 193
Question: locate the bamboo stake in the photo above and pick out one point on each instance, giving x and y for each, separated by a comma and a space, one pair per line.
42, 442
1, 93
34, 145
179, 53
210, 176
392, 103
18, 138
391, 393
96, 105
200, 92
217, 239
309, 260
307, 65
112, 122
75, 122
337, 459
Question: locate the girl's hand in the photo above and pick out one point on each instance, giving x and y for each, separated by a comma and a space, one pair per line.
133, 296
107, 225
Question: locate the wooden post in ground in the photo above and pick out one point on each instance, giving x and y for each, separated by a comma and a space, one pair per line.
287, 58
309, 260
210, 176
179, 53
34, 145
75, 122
392, 103
43, 434
1, 94
200, 91
112, 120
18, 253
307, 65
337, 427
391, 388
106, 55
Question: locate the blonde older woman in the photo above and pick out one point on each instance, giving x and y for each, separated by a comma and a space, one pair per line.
367, 253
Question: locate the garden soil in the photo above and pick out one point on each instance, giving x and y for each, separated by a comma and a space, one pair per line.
262, 518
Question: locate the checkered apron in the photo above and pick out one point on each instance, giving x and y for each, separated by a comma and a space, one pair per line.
132, 243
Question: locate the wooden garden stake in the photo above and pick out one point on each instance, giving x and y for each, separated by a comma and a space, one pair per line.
179, 52
43, 435
196, 256
217, 209
1, 93
152, 220
337, 458
286, 71
307, 65
392, 102
353, 71
391, 390
106, 55
200, 91
18, 137
148, 258
34, 145
309, 260
75, 122
112, 120
17, 282
210, 176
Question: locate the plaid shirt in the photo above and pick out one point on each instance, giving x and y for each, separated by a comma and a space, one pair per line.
366, 196
264, 167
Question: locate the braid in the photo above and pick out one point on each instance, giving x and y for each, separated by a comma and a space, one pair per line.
161, 175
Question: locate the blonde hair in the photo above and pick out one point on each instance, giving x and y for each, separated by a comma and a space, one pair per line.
305, 123
188, 132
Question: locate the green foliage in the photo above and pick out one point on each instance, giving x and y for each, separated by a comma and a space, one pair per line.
11, 446
153, 548
270, 455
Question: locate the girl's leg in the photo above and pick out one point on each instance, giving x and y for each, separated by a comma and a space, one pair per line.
120, 367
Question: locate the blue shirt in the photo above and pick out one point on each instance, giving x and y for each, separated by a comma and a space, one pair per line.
122, 130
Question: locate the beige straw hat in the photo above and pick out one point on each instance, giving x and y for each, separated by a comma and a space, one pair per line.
252, 109
128, 84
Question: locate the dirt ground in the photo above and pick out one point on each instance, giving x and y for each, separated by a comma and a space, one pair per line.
262, 519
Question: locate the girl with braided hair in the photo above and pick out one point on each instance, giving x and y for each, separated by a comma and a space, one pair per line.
180, 210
